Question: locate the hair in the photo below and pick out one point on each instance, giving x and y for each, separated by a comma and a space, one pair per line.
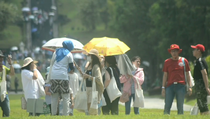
26, 67
112, 63
135, 58
95, 60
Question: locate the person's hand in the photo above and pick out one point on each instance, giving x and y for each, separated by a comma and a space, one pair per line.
9, 59
163, 92
189, 91
208, 91
85, 76
48, 93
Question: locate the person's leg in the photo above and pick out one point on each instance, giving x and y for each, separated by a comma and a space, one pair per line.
106, 109
54, 103
169, 97
5, 106
66, 101
115, 106
180, 90
136, 109
128, 106
202, 102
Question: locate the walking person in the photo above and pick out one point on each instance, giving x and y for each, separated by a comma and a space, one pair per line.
130, 84
111, 64
200, 76
93, 71
4, 100
174, 84
16, 84
61, 61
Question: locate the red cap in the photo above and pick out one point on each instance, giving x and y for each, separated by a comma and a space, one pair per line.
174, 46
199, 46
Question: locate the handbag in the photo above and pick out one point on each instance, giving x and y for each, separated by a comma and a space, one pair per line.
112, 89
81, 98
23, 103
94, 101
139, 97
125, 97
194, 110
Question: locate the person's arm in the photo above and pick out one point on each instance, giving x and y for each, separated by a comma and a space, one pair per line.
9, 60
140, 77
165, 76
47, 91
189, 83
205, 80
72, 100
35, 72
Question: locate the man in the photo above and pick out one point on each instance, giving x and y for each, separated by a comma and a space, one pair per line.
4, 100
201, 79
174, 84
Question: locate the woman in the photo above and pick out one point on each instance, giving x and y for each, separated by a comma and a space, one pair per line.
61, 61
111, 64
30, 76
93, 71
130, 84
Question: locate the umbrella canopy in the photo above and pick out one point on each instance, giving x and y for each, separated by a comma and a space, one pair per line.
14, 48
107, 46
52, 44
16, 66
78, 56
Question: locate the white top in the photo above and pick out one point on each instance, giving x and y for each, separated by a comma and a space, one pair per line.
74, 83
30, 86
60, 69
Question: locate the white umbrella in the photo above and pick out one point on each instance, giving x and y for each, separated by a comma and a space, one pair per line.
16, 66
78, 56
26, 9
52, 44
14, 48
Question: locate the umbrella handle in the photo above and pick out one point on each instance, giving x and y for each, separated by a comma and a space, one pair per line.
78, 68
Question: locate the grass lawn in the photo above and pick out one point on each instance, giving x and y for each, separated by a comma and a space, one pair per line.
17, 112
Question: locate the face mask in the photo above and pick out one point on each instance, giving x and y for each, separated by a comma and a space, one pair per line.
88, 58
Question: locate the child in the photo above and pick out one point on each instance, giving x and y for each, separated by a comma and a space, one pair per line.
74, 85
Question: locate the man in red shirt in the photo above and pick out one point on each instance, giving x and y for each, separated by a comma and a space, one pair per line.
174, 84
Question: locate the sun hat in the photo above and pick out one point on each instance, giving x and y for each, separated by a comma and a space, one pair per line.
173, 47
199, 46
1, 54
27, 61
95, 52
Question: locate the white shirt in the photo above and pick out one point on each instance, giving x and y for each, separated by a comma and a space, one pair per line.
30, 86
74, 83
60, 69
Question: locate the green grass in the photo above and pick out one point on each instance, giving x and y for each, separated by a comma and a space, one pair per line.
17, 112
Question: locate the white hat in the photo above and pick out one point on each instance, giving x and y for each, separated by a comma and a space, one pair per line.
27, 61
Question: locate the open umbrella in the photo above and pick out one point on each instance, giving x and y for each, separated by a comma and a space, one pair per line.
52, 44
107, 46
14, 48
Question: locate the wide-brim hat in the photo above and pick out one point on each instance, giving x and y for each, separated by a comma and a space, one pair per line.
1, 54
173, 47
95, 52
27, 61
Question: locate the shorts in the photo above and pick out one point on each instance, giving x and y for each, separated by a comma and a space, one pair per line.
201, 95
89, 94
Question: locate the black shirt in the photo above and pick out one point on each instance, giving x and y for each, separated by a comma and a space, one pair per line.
88, 81
200, 64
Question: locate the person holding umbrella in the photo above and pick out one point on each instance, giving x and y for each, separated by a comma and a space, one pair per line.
61, 61
4, 99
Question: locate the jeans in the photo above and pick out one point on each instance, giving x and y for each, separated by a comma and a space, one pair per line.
128, 106
5, 106
178, 90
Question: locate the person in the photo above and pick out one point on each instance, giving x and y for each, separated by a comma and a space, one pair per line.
93, 71
174, 80
30, 77
111, 64
48, 92
200, 76
4, 100
16, 84
74, 85
130, 84
62, 60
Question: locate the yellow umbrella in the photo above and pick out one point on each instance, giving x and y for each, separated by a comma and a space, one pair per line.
107, 46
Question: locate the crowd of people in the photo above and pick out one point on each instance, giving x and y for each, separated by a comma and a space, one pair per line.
108, 80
